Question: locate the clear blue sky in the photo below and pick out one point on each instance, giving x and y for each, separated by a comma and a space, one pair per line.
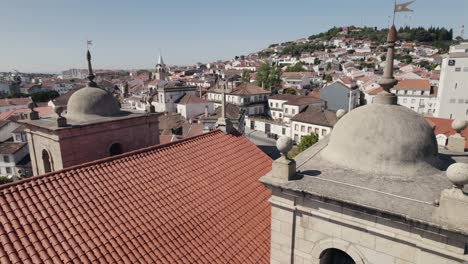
49, 35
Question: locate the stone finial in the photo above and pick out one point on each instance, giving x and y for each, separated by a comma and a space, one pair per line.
61, 121
459, 125
91, 75
456, 143
340, 113
33, 114
58, 109
458, 174
284, 169
388, 80
149, 104
31, 105
284, 145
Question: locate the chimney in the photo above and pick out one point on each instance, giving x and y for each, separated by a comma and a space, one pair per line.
206, 110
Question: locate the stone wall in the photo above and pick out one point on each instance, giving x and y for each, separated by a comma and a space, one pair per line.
302, 228
38, 141
77, 145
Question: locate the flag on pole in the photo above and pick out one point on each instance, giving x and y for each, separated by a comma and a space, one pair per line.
89, 42
403, 7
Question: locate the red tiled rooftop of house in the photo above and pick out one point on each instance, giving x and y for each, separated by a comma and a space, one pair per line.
444, 126
375, 91
43, 111
413, 84
14, 101
190, 99
194, 200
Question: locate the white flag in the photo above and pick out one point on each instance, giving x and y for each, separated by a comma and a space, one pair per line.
403, 7
89, 42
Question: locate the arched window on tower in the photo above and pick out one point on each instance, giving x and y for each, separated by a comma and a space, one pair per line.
335, 256
47, 161
115, 149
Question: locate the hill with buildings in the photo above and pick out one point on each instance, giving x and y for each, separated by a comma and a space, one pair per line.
437, 37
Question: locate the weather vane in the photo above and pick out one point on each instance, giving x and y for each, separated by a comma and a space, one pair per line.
403, 7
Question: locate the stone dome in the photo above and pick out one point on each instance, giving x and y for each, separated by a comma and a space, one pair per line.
92, 101
383, 138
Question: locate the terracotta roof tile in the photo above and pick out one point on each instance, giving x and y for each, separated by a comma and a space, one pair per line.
413, 84
297, 99
190, 99
444, 126
316, 116
193, 201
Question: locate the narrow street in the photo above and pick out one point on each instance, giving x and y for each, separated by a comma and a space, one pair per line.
267, 145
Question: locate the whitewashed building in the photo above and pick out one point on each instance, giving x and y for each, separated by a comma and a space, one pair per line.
312, 120
248, 96
12, 153
452, 101
190, 106
170, 94
285, 106
299, 80
417, 95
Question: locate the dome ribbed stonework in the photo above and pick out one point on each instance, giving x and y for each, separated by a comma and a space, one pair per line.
92, 101
382, 138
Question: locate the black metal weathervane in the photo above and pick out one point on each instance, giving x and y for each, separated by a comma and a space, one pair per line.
91, 75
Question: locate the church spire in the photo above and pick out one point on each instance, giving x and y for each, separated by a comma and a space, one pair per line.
160, 59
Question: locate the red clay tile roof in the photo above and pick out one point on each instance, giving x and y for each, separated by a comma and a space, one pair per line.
444, 126
190, 99
316, 116
14, 114
297, 99
11, 147
14, 101
243, 89
194, 200
375, 91
413, 84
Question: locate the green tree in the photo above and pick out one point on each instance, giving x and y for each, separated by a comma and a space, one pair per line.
44, 96
5, 180
307, 141
268, 76
329, 66
327, 77
316, 61
125, 90
245, 76
298, 67
289, 91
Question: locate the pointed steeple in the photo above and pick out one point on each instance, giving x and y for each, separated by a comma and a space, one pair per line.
388, 81
160, 60
91, 75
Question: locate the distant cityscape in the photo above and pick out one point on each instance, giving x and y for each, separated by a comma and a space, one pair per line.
344, 147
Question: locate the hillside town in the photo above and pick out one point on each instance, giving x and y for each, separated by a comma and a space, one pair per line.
281, 94
348, 146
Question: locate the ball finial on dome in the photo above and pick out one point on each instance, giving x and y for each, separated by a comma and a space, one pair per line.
58, 110
458, 174
340, 113
459, 125
31, 105
284, 145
